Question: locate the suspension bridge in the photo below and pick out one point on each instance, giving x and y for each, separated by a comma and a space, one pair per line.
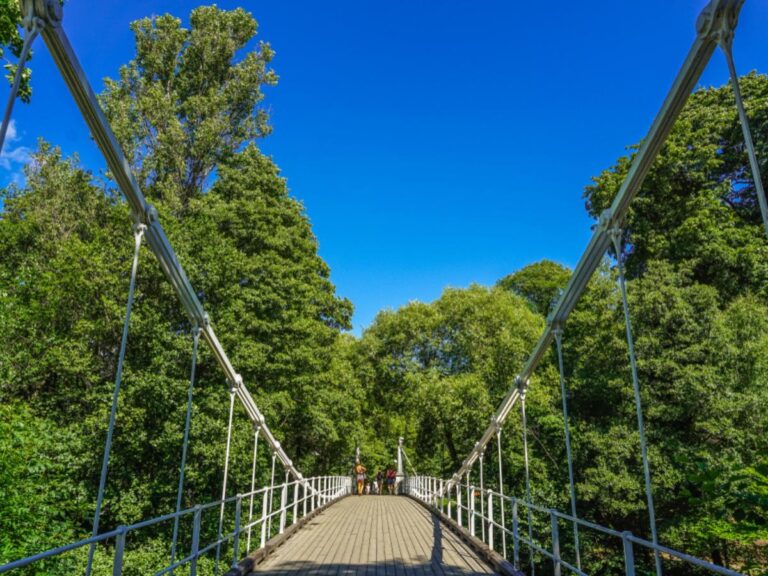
457, 525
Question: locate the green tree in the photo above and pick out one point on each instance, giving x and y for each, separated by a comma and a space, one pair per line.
540, 283
697, 206
247, 247
188, 101
11, 40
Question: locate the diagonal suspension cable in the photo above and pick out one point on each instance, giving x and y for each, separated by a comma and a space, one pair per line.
138, 235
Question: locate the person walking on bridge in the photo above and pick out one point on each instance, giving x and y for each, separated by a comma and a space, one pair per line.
391, 478
360, 475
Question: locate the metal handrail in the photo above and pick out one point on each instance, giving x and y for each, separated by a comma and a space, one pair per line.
325, 489
428, 490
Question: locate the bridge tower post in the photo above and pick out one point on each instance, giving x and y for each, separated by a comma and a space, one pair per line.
490, 519
400, 467
458, 503
284, 503
295, 501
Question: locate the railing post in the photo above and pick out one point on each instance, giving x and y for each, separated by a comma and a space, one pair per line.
304, 495
482, 498
236, 538
283, 504
472, 510
629, 554
555, 543
195, 541
515, 535
117, 565
295, 501
442, 498
490, 519
458, 504
311, 494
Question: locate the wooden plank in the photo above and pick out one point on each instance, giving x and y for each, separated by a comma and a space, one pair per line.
376, 535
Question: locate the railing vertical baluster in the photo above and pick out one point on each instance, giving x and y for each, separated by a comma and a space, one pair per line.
442, 499
515, 535
236, 537
257, 429
472, 510
468, 500
270, 501
482, 498
555, 543
458, 503
501, 494
117, 565
195, 540
295, 501
283, 504
629, 554
490, 519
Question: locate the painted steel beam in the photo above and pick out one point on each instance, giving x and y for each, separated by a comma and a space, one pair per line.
49, 13
716, 22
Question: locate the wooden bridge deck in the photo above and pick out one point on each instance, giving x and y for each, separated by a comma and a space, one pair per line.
374, 536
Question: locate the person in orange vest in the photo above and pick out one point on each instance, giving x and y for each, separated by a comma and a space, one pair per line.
360, 474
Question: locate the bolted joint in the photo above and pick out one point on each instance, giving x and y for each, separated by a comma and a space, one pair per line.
238, 383
257, 427
522, 384
139, 229
150, 215
605, 222
276, 447
37, 14
718, 20
616, 235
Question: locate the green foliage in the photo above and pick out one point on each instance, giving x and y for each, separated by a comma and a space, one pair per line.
246, 245
433, 372
697, 206
540, 283
11, 40
187, 109
188, 102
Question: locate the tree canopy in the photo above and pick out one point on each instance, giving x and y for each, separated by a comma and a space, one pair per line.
188, 109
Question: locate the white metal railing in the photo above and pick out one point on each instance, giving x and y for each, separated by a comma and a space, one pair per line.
480, 512
296, 499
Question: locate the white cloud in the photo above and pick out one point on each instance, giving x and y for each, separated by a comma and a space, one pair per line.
13, 157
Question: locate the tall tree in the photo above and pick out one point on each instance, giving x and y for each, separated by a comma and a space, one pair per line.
189, 100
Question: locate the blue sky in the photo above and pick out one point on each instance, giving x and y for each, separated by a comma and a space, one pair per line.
433, 144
